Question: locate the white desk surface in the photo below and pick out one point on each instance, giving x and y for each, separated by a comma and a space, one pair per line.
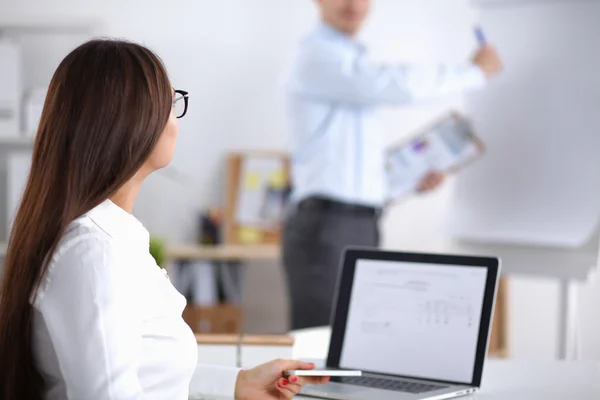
503, 379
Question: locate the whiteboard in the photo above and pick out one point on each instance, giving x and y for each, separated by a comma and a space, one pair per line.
539, 183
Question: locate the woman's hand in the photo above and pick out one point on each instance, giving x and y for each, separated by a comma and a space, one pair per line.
266, 382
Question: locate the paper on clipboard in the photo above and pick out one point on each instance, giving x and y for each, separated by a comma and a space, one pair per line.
445, 146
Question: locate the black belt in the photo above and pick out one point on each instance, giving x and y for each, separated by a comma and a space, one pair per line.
322, 203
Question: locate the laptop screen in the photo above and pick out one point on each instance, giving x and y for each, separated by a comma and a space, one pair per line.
414, 319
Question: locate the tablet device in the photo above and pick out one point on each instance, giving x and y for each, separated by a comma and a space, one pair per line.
447, 145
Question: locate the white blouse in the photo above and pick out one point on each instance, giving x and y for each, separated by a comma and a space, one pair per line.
107, 322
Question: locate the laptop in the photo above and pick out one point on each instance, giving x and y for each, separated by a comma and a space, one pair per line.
417, 325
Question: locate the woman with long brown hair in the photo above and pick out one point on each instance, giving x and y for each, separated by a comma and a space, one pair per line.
85, 313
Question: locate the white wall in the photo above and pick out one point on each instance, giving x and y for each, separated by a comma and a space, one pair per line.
228, 53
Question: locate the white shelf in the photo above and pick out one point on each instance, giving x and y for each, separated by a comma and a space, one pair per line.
35, 25
16, 141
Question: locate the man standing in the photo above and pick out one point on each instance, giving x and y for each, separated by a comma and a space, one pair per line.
338, 168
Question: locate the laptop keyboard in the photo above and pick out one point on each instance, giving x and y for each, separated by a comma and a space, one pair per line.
389, 384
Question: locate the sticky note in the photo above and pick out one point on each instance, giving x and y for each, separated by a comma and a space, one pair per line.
277, 179
252, 180
248, 235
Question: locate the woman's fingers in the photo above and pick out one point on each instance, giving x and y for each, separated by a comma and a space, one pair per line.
288, 389
292, 386
309, 380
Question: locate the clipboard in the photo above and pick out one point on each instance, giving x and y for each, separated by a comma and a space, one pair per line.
447, 145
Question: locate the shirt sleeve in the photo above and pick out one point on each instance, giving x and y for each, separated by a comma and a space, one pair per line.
214, 381
324, 74
92, 322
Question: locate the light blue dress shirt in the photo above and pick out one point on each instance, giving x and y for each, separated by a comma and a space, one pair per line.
332, 94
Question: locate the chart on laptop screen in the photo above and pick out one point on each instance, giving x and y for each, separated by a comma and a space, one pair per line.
414, 319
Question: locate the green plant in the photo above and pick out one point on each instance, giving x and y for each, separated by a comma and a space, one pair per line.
158, 250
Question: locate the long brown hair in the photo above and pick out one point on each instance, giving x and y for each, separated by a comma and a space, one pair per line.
107, 105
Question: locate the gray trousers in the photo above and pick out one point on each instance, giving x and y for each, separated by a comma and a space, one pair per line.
313, 242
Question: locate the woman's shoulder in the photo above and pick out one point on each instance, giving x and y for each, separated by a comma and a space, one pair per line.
84, 256
82, 236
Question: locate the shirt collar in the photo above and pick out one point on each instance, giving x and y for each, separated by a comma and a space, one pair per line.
118, 223
329, 31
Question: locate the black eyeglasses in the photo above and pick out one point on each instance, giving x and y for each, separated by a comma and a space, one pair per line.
180, 103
